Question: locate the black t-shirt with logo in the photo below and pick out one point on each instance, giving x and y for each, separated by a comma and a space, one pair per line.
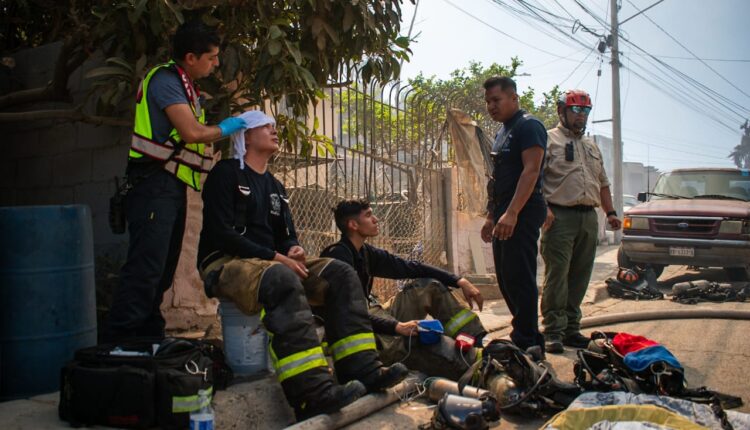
266, 212
518, 134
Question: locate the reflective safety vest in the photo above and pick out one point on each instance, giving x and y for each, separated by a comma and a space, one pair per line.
189, 161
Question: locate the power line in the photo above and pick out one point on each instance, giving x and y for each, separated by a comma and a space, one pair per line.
711, 94
578, 84
504, 33
576, 68
688, 50
694, 83
675, 92
570, 36
567, 57
656, 145
675, 57
523, 15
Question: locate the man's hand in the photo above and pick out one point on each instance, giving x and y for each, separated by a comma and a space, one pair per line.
297, 253
486, 232
614, 222
408, 328
297, 267
505, 225
471, 293
549, 220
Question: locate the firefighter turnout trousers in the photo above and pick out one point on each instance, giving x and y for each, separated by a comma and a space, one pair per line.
418, 299
284, 302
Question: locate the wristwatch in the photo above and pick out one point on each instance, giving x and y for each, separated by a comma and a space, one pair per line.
611, 213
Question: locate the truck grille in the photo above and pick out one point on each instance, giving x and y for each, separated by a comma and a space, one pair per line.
685, 225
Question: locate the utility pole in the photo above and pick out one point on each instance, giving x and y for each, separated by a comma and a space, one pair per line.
616, 119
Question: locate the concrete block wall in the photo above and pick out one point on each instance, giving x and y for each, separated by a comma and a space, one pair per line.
58, 162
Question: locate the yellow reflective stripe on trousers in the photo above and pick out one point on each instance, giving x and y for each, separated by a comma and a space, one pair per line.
458, 321
191, 403
353, 344
299, 362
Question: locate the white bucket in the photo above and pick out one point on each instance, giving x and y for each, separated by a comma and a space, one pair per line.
245, 341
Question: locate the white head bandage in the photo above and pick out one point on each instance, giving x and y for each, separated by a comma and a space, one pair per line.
253, 119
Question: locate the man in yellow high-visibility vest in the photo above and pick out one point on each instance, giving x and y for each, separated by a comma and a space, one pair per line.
166, 157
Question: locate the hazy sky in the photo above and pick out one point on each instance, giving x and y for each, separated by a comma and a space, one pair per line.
658, 128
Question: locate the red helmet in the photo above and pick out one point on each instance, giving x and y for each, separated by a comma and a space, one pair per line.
574, 98
627, 276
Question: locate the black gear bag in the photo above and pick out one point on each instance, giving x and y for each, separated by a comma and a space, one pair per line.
137, 384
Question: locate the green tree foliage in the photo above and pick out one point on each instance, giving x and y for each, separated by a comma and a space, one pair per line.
463, 90
278, 51
420, 119
741, 153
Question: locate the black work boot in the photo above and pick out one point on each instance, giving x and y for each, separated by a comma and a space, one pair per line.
385, 377
333, 399
536, 352
576, 340
553, 343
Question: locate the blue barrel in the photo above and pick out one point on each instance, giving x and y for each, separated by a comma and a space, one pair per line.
47, 295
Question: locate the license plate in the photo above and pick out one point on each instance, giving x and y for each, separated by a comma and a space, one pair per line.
681, 251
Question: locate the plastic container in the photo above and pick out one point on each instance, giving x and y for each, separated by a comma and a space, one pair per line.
430, 331
203, 418
245, 341
47, 295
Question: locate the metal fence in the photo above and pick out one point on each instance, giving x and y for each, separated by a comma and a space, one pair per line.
389, 147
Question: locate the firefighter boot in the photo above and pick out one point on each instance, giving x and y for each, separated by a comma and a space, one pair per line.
331, 400
385, 377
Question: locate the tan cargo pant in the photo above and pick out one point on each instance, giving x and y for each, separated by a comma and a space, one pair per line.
240, 279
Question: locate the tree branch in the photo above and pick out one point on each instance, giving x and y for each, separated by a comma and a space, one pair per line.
57, 88
66, 114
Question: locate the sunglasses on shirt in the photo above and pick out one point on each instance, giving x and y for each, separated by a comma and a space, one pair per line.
580, 109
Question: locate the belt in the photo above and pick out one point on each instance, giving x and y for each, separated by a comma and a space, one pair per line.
577, 208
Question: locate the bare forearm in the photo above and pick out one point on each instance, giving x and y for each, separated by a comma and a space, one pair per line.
525, 187
606, 198
200, 133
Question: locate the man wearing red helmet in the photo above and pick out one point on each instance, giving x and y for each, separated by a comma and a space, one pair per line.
574, 184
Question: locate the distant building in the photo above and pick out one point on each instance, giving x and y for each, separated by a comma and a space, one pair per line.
638, 178
635, 176
605, 146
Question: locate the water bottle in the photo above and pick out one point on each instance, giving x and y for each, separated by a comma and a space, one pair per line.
203, 418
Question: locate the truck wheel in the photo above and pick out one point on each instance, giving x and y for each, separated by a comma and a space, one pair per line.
624, 261
738, 273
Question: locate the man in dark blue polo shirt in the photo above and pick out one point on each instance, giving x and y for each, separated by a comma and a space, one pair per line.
516, 209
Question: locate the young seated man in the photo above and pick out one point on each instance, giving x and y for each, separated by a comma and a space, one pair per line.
429, 295
249, 253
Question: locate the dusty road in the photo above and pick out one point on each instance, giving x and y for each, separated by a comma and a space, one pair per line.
715, 353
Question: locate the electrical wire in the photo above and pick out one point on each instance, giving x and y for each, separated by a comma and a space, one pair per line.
502, 32
694, 83
676, 57
588, 72
525, 15
688, 50
576, 68
674, 91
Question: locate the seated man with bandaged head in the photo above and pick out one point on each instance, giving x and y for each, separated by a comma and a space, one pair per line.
250, 254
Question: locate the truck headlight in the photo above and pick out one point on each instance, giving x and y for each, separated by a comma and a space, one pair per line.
635, 223
730, 227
